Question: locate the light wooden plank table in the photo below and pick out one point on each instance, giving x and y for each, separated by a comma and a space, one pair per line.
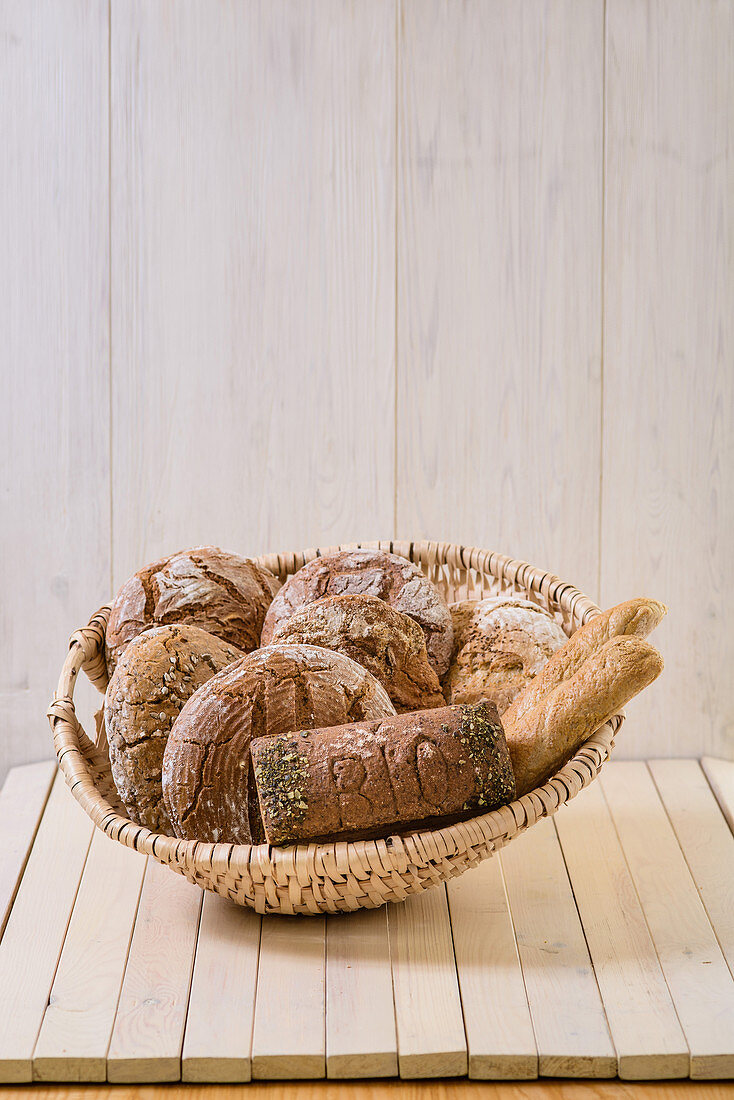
597, 945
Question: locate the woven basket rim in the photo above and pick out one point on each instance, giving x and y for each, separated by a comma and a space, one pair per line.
78, 756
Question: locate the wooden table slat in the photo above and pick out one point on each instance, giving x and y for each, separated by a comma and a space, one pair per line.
566, 1007
705, 839
694, 967
431, 1038
22, 801
361, 1040
34, 933
218, 1039
147, 1036
499, 1030
639, 1009
77, 1024
289, 1033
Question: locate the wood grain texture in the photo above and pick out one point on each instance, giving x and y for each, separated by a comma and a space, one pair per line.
54, 355
148, 1031
398, 1090
361, 1040
34, 934
668, 465
642, 1020
218, 1037
720, 774
695, 969
253, 274
499, 277
288, 1038
499, 1030
567, 1012
77, 1025
431, 1038
22, 800
705, 839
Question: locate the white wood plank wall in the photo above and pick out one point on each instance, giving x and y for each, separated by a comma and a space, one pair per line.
281, 273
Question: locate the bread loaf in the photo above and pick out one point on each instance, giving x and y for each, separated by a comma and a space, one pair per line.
158, 671
207, 786
387, 643
373, 573
635, 618
207, 587
367, 777
549, 733
500, 645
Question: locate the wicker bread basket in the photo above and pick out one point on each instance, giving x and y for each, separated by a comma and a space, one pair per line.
329, 878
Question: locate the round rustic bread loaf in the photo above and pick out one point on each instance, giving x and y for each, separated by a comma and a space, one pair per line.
154, 677
217, 591
500, 645
387, 643
393, 579
208, 788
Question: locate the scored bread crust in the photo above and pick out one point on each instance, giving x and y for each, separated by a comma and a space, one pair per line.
157, 673
373, 573
500, 644
633, 618
208, 788
387, 643
208, 587
549, 733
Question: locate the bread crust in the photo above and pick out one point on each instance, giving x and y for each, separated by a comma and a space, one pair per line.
374, 573
549, 733
633, 618
500, 645
158, 671
387, 643
220, 592
207, 783
370, 778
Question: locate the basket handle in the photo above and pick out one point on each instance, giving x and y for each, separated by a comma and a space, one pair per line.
87, 652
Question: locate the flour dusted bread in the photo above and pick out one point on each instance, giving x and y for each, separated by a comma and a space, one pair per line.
549, 733
389, 577
207, 785
634, 618
500, 645
223, 594
387, 643
157, 673
367, 777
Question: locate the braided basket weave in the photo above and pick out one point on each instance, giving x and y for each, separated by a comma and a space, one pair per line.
329, 878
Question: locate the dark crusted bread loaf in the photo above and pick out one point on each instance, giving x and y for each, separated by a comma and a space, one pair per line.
387, 643
207, 785
403, 772
217, 591
154, 677
500, 644
373, 573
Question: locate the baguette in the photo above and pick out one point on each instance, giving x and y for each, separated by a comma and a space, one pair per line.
548, 734
634, 618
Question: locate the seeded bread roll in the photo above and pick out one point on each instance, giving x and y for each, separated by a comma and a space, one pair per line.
208, 790
500, 644
372, 573
636, 618
373, 777
387, 643
157, 673
219, 592
548, 734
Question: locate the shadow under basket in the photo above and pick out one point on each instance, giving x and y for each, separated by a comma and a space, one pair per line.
336, 877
